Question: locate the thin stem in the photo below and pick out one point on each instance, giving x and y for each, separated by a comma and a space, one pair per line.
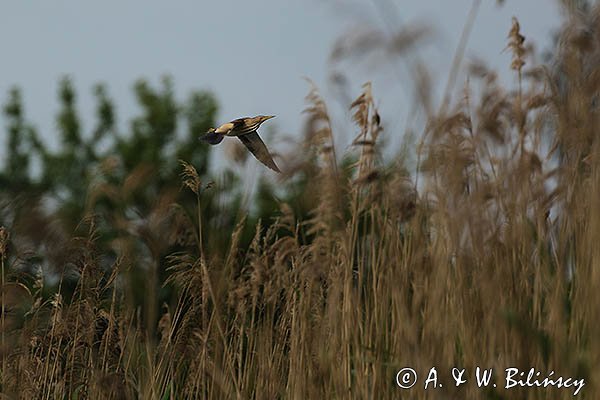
200, 245
212, 293
456, 62
459, 54
3, 339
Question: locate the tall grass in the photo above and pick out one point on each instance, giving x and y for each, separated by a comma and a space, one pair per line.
494, 263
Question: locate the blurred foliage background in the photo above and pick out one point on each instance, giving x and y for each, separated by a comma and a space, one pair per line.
128, 182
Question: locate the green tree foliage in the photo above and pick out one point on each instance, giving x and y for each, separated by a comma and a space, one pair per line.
15, 174
129, 181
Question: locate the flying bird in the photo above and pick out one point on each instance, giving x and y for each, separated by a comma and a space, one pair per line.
245, 130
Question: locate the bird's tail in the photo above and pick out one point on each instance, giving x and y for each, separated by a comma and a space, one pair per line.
213, 138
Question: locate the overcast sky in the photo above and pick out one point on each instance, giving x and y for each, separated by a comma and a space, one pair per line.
251, 54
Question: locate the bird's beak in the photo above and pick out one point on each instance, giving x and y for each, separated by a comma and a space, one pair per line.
269, 117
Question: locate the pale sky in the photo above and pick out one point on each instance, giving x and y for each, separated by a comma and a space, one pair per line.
251, 54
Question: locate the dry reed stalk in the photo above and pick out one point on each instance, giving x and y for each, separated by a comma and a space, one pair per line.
4, 237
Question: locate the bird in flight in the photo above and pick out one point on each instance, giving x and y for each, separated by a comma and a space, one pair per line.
245, 130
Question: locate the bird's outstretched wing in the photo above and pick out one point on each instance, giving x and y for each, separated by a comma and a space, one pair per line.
212, 138
256, 146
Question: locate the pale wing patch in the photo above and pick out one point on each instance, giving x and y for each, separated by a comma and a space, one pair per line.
225, 128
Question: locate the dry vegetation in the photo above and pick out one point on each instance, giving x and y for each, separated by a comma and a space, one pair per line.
493, 263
